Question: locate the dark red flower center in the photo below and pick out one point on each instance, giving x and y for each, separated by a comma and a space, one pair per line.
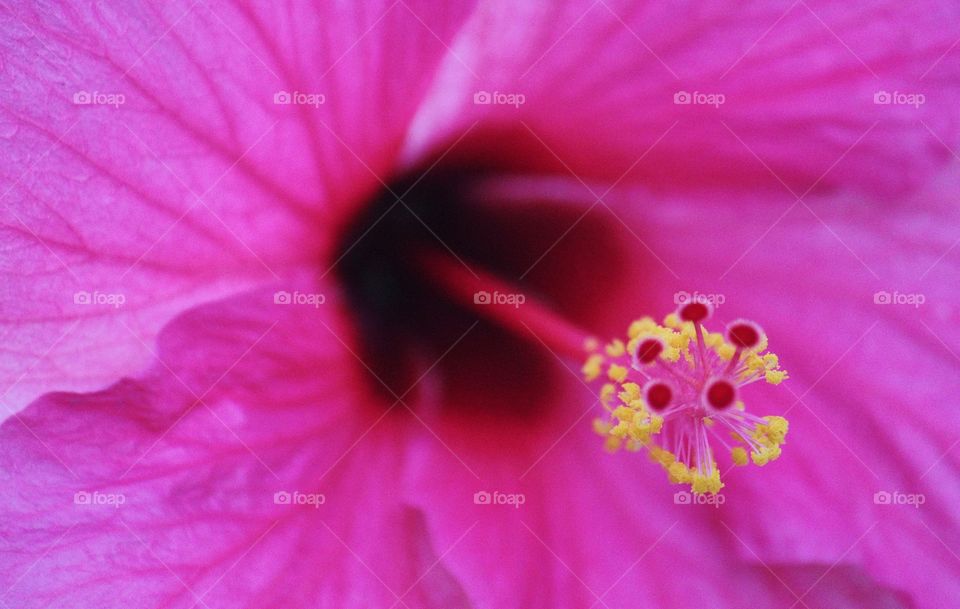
408, 324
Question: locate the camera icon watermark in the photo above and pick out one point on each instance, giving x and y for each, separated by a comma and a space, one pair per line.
498, 298
688, 498
283, 297
299, 98
314, 500
698, 98
884, 297
498, 498
898, 498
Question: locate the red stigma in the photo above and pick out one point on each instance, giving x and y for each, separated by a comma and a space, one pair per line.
695, 311
743, 334
720, 394
658, 395
649, 350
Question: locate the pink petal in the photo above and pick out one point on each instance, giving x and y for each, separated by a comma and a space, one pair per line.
198, 184
799, 80
177, 474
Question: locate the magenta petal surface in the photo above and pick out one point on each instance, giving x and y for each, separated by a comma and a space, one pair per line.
692, 94
150, 161
188, 419
236, 454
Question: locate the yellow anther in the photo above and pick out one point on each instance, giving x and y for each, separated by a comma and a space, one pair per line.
765, 455
739, 455
616, 348
602, 427
632, 424
675, 339
617, 373
630, 393
762, 345
775, 377
634, 446
606, 394
671, 354
777, 428
707, 484
661, 456
613, 443
754, 362
640, 326
769, 437
593, 366
678, 473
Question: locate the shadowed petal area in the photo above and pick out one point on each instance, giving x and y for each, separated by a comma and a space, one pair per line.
716, 85
165, 155
243, 470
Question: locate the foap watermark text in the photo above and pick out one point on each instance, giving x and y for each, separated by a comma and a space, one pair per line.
99, 98
298, 298
898, 498
699, 98
498, 298
98, 499
688, 498
314, 500
299, 98
498, 498
899, 98
499, 98
884, 297
682, 298
115, 300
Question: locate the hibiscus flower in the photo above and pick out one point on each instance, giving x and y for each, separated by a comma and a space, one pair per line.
296, 296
